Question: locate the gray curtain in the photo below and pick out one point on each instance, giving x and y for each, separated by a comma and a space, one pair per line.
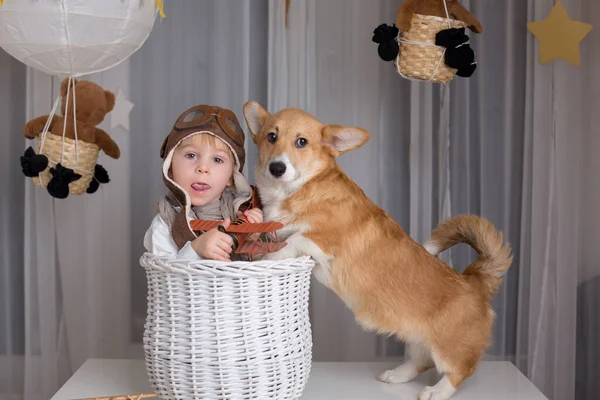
12, 299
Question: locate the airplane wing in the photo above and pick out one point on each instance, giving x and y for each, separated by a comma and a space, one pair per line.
255, 247
206, 225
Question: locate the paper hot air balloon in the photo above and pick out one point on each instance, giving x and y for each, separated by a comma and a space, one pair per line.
74, 37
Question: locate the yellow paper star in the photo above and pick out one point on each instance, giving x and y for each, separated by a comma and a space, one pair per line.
559, 36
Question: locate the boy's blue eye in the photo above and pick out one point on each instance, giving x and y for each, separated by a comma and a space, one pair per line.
190, 155
218, 160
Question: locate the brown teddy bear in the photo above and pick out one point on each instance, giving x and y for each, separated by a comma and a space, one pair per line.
92, 103
436, 8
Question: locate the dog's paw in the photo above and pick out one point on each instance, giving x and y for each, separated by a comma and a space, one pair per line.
402, 374
443, 390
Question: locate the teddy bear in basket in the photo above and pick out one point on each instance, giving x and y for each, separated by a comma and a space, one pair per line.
458, 54
408, 8
91, 103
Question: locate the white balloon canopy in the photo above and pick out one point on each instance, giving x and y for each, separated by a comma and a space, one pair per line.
74, 37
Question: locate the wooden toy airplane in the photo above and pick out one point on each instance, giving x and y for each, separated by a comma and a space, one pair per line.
248, 238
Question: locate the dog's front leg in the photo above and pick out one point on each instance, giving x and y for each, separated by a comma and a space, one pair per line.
291, 250
299, 245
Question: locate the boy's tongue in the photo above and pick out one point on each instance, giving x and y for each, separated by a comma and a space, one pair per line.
200, 186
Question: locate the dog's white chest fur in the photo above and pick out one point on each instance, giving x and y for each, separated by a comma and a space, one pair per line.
297, 243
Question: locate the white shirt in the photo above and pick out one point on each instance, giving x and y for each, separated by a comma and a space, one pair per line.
158, 241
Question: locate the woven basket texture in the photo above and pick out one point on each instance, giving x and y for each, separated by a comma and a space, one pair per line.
236, 330
53, 149
418, 61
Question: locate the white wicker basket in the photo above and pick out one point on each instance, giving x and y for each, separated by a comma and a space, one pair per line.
237, 330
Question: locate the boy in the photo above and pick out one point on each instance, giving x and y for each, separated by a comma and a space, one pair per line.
203, 157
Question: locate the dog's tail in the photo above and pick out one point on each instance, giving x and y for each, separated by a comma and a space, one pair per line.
494, 255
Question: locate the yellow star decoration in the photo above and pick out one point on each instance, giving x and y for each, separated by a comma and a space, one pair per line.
559, 36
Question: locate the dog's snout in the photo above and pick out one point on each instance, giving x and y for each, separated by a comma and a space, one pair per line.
277, 169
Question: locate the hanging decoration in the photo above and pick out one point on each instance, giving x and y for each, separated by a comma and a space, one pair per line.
160, 8
428, 42
559, 36
68, 146
74, 37
68, 39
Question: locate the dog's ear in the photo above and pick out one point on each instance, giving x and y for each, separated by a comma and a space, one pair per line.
255, 117
339, 139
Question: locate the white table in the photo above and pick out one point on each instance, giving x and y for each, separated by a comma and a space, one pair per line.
328, 381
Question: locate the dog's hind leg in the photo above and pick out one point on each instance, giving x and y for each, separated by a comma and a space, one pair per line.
457, 363
442, 390
418, 362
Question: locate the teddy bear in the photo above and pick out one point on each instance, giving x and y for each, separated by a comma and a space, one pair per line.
436, 8
92, 103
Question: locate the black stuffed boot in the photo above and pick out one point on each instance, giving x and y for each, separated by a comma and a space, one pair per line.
459, 54
32, 164
61, 178
386, 35
100, 176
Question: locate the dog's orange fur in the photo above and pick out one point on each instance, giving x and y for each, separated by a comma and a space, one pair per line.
392, 284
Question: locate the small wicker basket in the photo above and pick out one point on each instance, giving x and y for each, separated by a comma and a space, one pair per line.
81, 158
419, 57
235, 330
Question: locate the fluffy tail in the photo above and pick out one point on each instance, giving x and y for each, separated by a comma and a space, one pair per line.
494, 255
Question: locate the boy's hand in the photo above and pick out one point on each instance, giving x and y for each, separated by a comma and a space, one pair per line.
214, 245
253, 215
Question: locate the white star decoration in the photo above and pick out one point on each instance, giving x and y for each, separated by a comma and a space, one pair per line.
120, 114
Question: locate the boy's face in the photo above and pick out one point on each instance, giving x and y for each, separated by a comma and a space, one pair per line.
204, 171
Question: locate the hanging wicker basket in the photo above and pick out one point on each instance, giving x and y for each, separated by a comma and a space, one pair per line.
419, 57
80, 156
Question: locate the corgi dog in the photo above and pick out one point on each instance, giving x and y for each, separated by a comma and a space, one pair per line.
392, 284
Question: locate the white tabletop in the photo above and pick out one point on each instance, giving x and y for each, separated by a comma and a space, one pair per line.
348, 381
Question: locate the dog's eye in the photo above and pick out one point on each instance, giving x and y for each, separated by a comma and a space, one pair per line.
301, 142
272, 137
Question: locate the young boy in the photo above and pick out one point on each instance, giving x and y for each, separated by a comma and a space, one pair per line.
203, 157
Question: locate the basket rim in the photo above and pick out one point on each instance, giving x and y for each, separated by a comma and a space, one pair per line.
81, 143
439, 19
232, 269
